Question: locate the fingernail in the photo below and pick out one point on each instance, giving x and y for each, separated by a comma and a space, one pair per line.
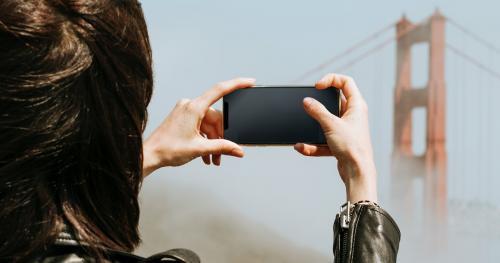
308, 101
250, 79
297, 146
237, 153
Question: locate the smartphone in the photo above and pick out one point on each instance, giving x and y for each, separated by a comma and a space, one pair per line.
275, 115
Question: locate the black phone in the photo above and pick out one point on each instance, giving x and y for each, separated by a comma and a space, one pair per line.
275, 115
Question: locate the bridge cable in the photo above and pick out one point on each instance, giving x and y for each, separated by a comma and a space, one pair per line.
376, 48
356, 46
489, 116
474, 36
365, 55
346, 52
462, 85
473, 61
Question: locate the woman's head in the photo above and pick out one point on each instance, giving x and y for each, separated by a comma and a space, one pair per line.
75, 81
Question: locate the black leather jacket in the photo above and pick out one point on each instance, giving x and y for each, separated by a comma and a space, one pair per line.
369, 235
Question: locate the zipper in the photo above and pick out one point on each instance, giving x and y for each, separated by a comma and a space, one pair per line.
343, 238
345, 214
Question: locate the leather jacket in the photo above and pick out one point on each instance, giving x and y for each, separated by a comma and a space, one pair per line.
67, 249
365, 233
362, 233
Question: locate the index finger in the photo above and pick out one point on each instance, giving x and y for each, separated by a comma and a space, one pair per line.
342, 82
223, 88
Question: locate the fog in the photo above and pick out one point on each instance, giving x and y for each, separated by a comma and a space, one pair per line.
197, 221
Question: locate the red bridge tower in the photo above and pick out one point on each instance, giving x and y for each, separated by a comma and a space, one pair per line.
406, 165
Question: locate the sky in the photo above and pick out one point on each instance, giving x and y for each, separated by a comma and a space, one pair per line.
275, 195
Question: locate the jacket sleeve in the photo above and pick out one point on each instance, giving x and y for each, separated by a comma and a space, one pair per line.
371, 236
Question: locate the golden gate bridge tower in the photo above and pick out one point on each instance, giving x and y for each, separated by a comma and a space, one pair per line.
432, 164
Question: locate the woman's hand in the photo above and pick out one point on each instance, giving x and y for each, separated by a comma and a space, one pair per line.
191, 130
348, 138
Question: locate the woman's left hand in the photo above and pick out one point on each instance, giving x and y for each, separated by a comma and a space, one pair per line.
191, 130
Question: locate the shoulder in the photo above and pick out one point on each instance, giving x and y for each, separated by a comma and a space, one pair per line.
67, 249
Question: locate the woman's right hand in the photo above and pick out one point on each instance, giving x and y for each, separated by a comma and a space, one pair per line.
348, 138
193, 129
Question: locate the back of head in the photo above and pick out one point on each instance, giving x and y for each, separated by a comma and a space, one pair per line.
75, 81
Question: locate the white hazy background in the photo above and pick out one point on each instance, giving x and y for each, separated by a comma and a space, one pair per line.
275, 205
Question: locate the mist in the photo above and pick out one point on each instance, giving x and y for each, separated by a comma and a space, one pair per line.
186, 217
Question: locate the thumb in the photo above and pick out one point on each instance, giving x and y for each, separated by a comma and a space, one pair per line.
319, 112
221, 146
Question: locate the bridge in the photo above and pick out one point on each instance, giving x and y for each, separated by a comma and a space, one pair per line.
443, 96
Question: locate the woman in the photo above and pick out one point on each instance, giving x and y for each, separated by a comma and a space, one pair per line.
75, 82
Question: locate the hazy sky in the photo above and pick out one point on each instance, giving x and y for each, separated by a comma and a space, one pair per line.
198, 43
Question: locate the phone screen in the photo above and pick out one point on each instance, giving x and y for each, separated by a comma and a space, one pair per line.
274, 115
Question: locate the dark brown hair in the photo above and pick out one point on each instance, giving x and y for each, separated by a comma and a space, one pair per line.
75, 81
